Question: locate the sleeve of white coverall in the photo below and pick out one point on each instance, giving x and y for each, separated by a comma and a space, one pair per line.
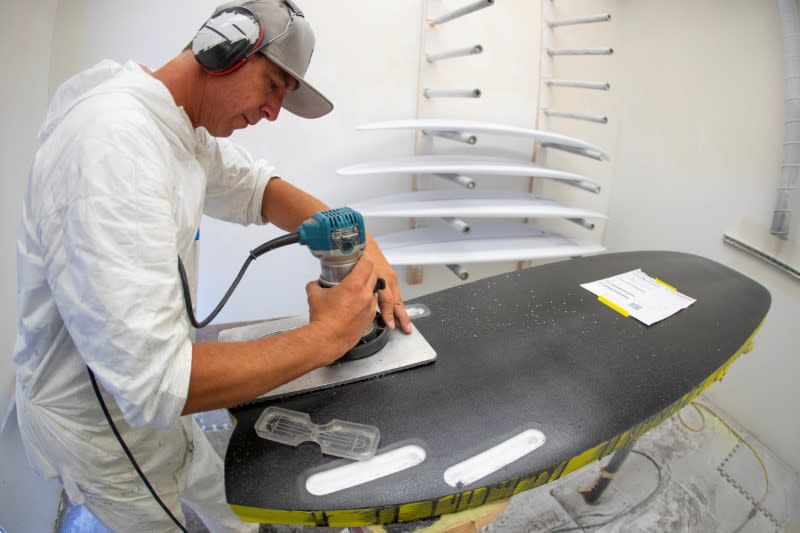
114, 275
236, 181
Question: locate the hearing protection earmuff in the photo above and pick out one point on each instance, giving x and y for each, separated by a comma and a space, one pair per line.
226, 40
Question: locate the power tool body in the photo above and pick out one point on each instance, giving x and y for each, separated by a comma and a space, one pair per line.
337, 237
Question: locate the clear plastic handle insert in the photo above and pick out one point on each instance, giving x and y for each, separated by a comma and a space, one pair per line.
338, 437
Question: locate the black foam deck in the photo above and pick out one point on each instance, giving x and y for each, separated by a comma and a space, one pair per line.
526, 349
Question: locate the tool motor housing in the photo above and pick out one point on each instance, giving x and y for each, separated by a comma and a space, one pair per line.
337, 237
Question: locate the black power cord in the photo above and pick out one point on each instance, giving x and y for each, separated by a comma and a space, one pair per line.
129, 454
255, 253
278, 242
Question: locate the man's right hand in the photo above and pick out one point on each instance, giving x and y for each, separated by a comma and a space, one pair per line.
342, 313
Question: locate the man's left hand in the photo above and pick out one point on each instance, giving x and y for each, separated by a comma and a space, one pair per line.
390, 301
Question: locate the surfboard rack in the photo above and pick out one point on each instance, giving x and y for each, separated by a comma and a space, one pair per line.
486, 242
457, 240
458, 179
596, 85
579, 51
552, 52
470, 165
599, 156
600, 119
464, 204
603, 17
453, 136
451, 93
457, 224
471, 127
458, 52
459, 271
455, 208
582, 222
460, 12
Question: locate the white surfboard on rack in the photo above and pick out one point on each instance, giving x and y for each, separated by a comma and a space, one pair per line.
468, 126
466, 165
488, 242
469, 204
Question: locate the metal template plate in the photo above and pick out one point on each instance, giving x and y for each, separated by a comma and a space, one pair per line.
401, 352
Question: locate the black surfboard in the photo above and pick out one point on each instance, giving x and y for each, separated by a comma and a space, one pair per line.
528, 349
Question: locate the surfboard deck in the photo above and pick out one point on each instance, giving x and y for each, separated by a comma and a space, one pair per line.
469, 165
469, 203
469, 126
486, 242
527, 349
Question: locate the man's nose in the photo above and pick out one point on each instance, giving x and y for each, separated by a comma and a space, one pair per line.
272, 108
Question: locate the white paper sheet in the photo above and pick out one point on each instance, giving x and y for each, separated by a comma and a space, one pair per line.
641, 296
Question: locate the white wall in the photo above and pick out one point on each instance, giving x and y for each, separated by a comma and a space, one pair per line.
25, 37
25, 30
703, 160
697, 110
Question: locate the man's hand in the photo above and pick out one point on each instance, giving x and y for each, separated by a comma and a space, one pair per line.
343, 313
389, 300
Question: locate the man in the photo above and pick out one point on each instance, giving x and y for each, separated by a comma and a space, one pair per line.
128, 161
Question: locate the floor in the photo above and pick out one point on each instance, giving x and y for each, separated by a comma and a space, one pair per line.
690, 475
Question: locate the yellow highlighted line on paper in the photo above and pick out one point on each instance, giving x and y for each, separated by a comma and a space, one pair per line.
613, 306
667, 285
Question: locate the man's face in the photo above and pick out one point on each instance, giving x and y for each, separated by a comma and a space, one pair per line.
245, 96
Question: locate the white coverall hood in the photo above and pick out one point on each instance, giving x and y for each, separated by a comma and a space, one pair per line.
115, 194
155, 97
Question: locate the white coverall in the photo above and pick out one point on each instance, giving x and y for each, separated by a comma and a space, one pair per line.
115, 194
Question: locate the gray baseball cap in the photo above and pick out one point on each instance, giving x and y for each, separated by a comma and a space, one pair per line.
289, 43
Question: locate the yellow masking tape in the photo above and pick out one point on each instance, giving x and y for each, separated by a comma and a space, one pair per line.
612, 305
667, 285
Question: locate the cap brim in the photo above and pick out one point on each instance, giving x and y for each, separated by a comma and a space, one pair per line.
305, 101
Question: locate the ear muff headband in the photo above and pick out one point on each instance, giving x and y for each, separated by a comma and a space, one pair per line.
226, 40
